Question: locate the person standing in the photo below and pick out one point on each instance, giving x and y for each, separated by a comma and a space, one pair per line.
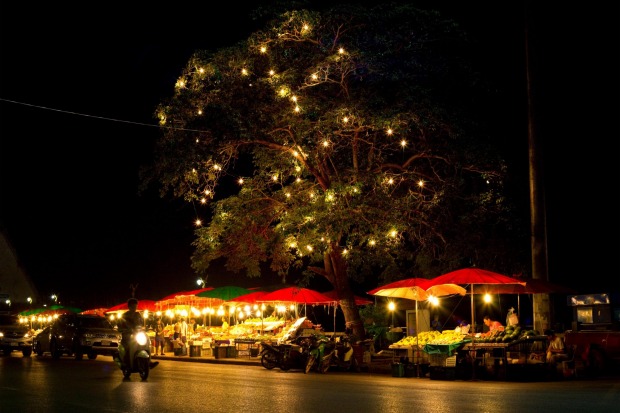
177, 330
159, 338
183, 330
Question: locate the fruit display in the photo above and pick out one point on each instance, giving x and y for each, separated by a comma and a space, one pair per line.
510, 334
447, 337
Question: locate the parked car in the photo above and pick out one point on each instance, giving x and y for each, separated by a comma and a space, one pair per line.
14, 336
76, 335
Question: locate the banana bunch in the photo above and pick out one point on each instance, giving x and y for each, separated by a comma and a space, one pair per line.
447, 337
423, 338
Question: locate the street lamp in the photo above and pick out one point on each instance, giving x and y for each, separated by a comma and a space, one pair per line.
201, 282
54, 297
392, 307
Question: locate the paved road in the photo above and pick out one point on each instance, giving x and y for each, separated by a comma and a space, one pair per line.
35, 384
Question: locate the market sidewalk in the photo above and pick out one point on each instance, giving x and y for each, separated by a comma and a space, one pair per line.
373, 368
240, 360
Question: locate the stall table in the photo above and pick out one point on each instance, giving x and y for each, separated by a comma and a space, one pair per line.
521, 359
247, 347
411, 355
443, 360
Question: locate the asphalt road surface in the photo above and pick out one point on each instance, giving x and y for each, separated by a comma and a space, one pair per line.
41, 384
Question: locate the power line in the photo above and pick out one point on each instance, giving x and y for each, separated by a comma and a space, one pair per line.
97, 117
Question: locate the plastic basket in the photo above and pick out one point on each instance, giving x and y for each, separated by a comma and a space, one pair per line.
442, 360
437, 359
451, 361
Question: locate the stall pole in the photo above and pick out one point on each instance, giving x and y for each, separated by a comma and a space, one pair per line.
417, 350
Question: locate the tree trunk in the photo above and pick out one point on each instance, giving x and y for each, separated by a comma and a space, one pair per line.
335, 272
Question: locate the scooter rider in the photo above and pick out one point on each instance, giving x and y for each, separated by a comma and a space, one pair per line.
129, 322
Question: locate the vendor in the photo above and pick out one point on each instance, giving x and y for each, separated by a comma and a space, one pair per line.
556, 352
463, 327
494, 326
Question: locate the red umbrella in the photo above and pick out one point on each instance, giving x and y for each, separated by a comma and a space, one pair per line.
532, 286
472, 276
181, 295
296, 295
416, 289
143, 305
95, 311
184, 298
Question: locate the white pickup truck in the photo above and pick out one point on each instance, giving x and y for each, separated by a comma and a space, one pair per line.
14, 336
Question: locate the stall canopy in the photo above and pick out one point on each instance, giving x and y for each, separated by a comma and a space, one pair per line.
55, 309
296, 295
471, 277
143, 305
532, 286
225, 293
95, 311
417, 289
250, 298
183, 298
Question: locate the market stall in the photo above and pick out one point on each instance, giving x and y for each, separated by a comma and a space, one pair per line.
428, 349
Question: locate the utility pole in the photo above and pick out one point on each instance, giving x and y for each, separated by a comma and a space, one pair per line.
538, 222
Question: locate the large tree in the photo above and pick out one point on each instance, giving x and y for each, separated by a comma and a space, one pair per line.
342, 144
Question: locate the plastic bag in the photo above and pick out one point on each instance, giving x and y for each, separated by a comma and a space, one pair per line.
512, 319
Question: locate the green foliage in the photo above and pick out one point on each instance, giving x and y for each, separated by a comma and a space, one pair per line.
375, 322
363, 144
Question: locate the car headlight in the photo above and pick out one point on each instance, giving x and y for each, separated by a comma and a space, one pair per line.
141, 338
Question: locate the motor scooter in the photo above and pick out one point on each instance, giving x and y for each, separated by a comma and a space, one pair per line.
343, 356
139, 352
320, 354
285, 356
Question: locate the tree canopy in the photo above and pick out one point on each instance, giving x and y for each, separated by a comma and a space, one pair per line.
343, 143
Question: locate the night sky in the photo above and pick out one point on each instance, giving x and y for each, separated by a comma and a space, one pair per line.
88, 80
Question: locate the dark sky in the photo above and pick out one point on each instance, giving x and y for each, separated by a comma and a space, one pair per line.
68, 183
